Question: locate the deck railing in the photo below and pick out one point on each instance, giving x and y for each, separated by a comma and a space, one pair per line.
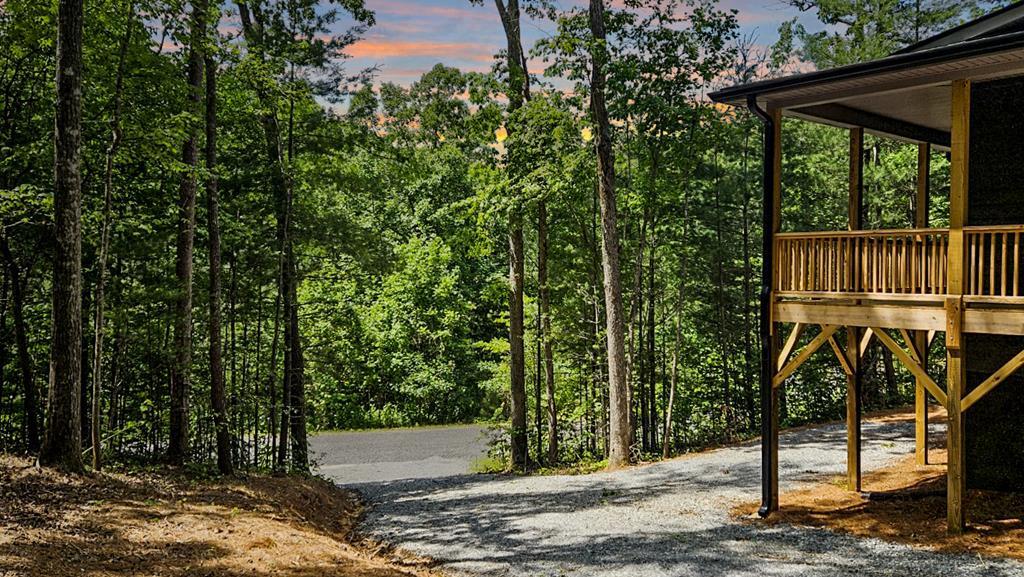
896, 263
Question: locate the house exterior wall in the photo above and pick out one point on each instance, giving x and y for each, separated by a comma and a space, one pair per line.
994, 428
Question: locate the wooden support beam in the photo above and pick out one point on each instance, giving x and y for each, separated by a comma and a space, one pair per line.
911, 347
804, 354
994, 379
865, 340
853, 409
863, 315
913, 366
840, 355
851, 360
956, 370
787, 349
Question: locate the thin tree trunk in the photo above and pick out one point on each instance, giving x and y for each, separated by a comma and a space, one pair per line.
6, 414
619, 450
217, 400
28, 385
252, 28
234, 446
517, 360
652, 368
272, 380
666, 433
179, 434
518, 92
545, 314
62, 444
667, 436
101, 277
300, 450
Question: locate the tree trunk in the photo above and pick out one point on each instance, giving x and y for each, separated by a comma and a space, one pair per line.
517, 360
667, 436
252, 28
518, 92
101, 276
300, 450
619, 437
652, 406
272, 381
545, 314
62, 444
217, 400
179, 434
28, 385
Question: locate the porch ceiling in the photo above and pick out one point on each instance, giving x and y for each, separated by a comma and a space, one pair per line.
906, 96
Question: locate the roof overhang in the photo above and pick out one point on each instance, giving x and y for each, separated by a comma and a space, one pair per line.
905, 96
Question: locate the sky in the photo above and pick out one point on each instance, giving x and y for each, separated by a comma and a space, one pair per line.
411, 36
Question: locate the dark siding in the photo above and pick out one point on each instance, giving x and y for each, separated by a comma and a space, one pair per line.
995, 425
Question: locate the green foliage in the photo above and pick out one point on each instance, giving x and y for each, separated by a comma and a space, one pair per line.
402, 203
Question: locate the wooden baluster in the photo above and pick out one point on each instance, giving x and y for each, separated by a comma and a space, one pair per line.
926, 241
792, 266
1016, 263
823, 264
943, 258
876, 254
832, 258
912, 257
889, 275
1002, 260
904, 269
811, 264
780, 259
971, 272
848, 283
816, 263
827, 256
803, 265
992, 266
933, 266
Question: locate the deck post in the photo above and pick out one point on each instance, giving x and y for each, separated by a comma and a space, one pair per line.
853, 334
769, 337
775, 345
921, 337
955, 367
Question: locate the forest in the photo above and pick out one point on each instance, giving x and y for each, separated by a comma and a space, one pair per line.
218, 238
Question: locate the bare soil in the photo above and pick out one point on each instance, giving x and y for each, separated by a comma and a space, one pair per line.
906, 503
161, 523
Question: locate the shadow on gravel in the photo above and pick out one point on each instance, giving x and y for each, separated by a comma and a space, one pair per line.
668, 518
741, 470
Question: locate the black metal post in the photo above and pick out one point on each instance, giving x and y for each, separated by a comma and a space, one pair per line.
768, 464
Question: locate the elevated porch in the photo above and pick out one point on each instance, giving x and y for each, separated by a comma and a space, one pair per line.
898, 279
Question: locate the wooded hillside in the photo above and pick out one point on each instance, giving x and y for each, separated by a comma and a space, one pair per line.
273, 243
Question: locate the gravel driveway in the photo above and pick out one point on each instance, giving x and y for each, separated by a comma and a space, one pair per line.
669, 518
395, 454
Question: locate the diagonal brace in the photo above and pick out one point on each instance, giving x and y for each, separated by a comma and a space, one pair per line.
826, 332
912, 365
990, 383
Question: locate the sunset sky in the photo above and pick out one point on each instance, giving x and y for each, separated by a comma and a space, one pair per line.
413, 35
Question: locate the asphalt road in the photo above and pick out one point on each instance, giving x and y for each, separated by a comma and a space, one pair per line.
398, 454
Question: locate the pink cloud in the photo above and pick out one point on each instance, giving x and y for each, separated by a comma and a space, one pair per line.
417, 9
376, 48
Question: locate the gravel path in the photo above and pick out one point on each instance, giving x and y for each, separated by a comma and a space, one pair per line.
670, 518
396, 454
